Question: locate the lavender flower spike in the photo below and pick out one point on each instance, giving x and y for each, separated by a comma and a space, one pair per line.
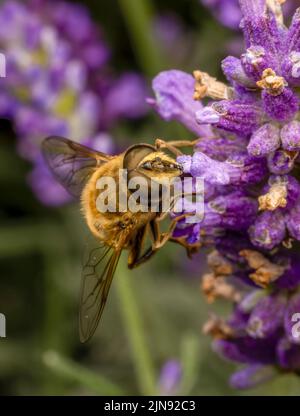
251, 194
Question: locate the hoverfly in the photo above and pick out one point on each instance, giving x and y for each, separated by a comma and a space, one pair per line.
78, 169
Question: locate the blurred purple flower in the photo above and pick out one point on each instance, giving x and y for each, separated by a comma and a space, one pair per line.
170, 377
58, 82
169, 30
228, 12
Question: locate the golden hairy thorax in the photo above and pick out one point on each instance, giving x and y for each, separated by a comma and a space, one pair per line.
111, 227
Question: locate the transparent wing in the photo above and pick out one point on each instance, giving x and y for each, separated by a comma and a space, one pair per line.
97, 275
71, 163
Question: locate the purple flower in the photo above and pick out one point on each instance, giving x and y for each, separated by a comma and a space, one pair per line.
170, 377
265, 338
174, 100
228, 12
263, 81
247, 156
252, 375
264, 141
234, 116
58, 84
125, 99
168, 30
268, 230
266, 318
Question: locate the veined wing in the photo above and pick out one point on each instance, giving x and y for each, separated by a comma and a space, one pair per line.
97, 275
71, 163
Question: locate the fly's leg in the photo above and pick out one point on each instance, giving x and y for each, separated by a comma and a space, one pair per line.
159, 239
137, 247
173, 146
167, 235
190, 248
136, 257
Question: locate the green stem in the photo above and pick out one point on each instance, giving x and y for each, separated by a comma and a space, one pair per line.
56, 267
190, 361
72, 371
138, 16
134, 327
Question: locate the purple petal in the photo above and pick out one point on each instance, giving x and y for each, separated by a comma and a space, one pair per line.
210, 170
251, 376
290, 136
174, 99
291, 277
247, 350
220, 148
234, 71
233, 116
291, 68
170, 377
252, 8
292, 219
281, 107
281, 162
264, 140
239, 168
293, 190
293, 36
288, 355
208, 115
267, 316
186, 163
259, 26
268, 230
255, 60
224, 211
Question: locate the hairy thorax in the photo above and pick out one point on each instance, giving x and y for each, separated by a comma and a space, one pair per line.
114, 228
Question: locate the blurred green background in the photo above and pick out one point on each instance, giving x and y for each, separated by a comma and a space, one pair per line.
154, 313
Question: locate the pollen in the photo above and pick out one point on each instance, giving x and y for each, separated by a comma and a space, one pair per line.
207, 86
275, 198
217, 328
219, 265
218, 287
271, 82
265, 272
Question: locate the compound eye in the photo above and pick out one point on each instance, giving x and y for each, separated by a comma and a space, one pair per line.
122, 225
147, 165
